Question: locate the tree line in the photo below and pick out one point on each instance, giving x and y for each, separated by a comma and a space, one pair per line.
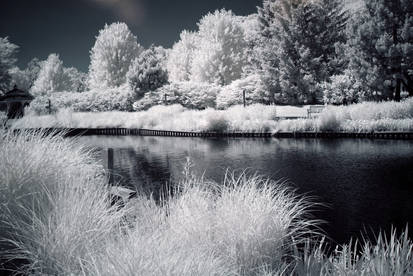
288, 52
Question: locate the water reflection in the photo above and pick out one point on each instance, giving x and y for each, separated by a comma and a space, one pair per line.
367, 184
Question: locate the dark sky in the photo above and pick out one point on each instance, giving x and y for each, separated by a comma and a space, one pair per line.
69, 27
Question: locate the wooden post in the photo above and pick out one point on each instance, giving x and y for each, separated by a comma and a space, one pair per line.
110, 165
49, 106
165, 99
243, 97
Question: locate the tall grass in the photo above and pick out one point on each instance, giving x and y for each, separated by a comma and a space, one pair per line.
388, 255
238, 228
53, 203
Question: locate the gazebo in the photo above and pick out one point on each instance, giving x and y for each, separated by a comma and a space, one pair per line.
14, 102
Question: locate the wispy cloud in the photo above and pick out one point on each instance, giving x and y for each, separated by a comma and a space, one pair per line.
130, 11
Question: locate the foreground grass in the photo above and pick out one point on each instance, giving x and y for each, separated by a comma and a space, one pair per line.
56, 214
53, 203
364, 117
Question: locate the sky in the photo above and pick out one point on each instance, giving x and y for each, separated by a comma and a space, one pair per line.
69, 27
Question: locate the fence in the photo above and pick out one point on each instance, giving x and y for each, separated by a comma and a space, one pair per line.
151, 132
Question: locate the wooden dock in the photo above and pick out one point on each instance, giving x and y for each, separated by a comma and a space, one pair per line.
70, 132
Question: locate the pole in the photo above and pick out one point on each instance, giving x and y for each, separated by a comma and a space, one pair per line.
243, 97
49, 106
110, 165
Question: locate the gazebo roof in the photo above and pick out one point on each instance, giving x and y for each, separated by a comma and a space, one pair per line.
16, 95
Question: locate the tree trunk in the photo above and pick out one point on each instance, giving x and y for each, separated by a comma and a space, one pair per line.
398, 88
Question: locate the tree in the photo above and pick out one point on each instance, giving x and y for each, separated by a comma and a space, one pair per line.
32, 70
20, 78
75, 81
220, 54
24, 79
180, 57
51, 76
7, 61
114, 50
381, 48
298, 46
147, 72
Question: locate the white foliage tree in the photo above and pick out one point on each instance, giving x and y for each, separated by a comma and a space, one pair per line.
180, 57
75, 80
51, 76
111, 56
20, 78
221, 49
24, 79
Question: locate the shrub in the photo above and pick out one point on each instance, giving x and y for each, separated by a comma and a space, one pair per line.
232, 94
217, 124
120, 99
188, 94
328, 121
342, 89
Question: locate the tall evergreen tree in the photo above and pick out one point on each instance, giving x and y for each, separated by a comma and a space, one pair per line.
147, 72
300, 39
381, 48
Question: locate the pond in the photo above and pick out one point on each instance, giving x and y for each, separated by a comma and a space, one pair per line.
365, 185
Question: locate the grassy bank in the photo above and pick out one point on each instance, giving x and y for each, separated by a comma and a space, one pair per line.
364, 117
56, 214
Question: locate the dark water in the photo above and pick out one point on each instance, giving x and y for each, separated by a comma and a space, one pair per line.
367, 185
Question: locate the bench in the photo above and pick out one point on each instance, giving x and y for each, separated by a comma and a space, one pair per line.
314, 110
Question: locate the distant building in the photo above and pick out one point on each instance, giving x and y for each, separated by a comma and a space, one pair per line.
14, 102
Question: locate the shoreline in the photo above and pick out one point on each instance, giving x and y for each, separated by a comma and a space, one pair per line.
70, 132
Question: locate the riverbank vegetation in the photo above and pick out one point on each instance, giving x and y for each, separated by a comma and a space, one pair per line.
56, 215
363, 117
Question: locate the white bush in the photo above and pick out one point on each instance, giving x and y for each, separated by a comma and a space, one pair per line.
255, 92
189, 94
342, 89
120, 99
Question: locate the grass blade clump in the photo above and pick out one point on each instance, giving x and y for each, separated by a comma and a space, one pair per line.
244, 227
53, 203
385, 256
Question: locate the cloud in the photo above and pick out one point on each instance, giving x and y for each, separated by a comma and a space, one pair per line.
130, 11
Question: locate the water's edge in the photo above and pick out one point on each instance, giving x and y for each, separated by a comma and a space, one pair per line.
69, 132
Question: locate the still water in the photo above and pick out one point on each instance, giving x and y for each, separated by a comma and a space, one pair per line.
364, 185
